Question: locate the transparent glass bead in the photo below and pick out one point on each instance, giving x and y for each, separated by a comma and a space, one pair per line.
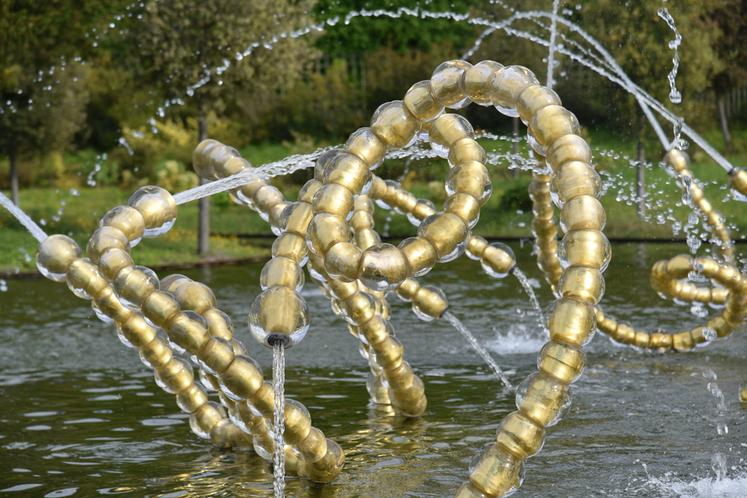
55, 255
279, 313
156, 199
100, 314
490, 270
414, 220
184, 364
559, 399
226, 391
422, 315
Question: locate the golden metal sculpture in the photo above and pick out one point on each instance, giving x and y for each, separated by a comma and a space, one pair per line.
330, 229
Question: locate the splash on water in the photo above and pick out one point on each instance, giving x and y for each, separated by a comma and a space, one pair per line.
472, 340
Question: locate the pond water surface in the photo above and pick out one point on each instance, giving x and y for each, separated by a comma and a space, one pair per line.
80, 416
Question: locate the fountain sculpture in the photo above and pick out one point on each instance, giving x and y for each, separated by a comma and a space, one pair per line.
330, 230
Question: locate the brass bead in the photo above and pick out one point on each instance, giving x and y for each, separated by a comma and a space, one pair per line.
476, 81
520, 435
470, 178
109, 304
314, 446
421, 103
56, 254
191, 398
309, 190
430, 301
325, 230
476, 246
350, 171
366, 238
738, 178
465, 206
333, 199
448, 129
394, 125
376, 330
582, 283
329, 466
568, 148
421, 255
571, 322
160, 307
562, 362
574, 179
465, 150
366, 145
208, 416
103, 239
82, 274
498, 260
136, 283
498, 473
157, 207
137, 331
231, 167
217, 354
678, 159
264, 399
544, 399
508, 84
242, 378
127, 220
290, 245
267, 197
585, 248
551, 123
445, 232
360, 307
584, 212
389, 352
281, 271
342, 260
297, 422
382, 267
201, 158
532, 99
176, 374
361, 220
156, 352
446, 83
187, 332
408, 288
114, 260
194, 296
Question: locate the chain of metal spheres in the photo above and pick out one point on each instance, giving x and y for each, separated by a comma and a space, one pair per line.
330, 230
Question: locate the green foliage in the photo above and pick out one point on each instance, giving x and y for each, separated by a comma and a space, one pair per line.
407, 33
516, 197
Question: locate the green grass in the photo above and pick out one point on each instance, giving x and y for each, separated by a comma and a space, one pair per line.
506, 214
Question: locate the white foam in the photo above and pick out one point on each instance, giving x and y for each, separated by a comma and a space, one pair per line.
518, 339
708, 487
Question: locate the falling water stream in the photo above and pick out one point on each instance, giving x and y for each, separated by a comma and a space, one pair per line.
278, 384
527, 286
23, 218
718, 460
459, 326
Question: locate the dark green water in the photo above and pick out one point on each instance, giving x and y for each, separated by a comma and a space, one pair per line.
80, 416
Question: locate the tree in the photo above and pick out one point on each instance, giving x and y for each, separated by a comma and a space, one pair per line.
42, 86
179, 43
730, 21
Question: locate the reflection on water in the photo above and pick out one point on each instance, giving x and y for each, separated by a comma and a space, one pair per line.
81, 417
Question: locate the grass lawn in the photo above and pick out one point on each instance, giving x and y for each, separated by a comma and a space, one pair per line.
507, 213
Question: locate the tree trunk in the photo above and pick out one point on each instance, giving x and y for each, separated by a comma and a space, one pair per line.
14, 179
723, 120
203, 223
641, 179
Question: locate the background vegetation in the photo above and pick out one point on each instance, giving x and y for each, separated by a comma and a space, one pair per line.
102, 93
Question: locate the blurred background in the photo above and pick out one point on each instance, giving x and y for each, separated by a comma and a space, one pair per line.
100, 97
